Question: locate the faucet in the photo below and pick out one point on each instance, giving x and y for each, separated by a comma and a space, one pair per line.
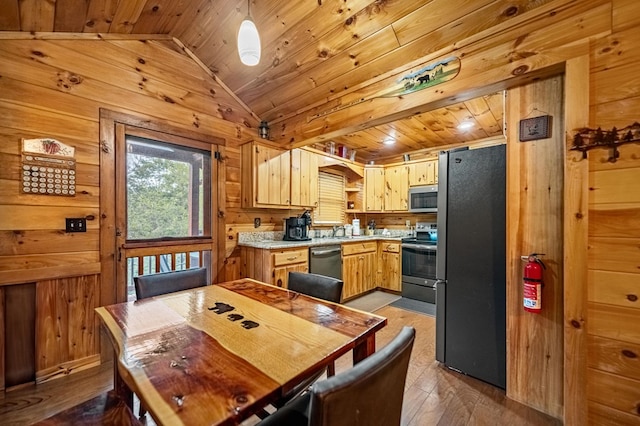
336, 228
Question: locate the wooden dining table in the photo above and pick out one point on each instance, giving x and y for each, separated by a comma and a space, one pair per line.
217, 354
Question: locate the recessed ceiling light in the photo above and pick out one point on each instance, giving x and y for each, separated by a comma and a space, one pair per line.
466, 125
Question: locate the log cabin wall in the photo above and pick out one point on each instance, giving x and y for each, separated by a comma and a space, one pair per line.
40, 97
56, 88
613, 305
534, 225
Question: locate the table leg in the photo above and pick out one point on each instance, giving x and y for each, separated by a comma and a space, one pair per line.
121, 388
364, 349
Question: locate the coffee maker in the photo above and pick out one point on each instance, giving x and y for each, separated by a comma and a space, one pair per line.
297, 228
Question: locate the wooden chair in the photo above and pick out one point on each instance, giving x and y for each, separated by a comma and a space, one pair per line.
169, 282
370, 393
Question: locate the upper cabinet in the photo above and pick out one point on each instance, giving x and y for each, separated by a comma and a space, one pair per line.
423, 173
304, 178
396, 188
374, 189
266, 176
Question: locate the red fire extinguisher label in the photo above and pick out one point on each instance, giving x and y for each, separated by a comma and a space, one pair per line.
531, 293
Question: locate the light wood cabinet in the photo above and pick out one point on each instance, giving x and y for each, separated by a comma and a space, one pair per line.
358, 268
273, 266
390, 265
396, 188
423, 173
304, 178
374, 189
266, 176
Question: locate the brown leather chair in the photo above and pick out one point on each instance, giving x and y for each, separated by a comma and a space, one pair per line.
169, 282
370, 393
314, 285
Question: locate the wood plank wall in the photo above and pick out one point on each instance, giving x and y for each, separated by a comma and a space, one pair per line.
41, 95
534, 225
55, 88
613, 326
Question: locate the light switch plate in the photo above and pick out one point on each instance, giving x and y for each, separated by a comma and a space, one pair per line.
408, 223
77, 224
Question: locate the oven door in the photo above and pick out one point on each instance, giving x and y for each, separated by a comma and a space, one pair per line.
419, 271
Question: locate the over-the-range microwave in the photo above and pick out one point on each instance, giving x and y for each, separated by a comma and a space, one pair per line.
423, 199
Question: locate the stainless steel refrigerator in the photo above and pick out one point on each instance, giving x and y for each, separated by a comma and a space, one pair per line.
471, 263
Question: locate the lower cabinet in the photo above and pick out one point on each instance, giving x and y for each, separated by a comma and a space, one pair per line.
273, 266
358, 268
390, 266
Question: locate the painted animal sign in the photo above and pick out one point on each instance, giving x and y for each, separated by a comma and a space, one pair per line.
428, 76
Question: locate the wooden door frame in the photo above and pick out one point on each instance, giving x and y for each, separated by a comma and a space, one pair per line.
110, 124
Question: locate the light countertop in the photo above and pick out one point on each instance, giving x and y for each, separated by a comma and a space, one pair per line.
271, 244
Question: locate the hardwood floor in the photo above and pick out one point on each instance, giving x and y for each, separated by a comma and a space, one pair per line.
434, 395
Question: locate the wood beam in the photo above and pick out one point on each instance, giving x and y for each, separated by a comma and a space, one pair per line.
576, 227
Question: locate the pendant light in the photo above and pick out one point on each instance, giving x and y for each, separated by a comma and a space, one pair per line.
248, 40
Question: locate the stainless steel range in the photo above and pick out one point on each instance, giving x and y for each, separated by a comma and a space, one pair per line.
419, 263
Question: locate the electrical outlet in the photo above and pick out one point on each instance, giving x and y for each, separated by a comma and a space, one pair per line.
408, 223
256, 222
78, 224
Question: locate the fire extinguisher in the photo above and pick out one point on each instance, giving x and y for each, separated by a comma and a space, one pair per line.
532, 283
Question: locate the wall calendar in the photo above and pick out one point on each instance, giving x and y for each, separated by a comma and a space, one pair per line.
48, 168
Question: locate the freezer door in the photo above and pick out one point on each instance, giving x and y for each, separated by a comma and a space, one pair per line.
475, 317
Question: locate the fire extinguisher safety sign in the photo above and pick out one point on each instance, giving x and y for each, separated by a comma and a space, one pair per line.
531, 296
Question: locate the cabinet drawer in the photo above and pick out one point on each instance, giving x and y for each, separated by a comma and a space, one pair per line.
290, 257
364, 247
390, 247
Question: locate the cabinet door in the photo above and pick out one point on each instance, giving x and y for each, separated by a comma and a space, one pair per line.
390, 271
374, 188
272, 184
423, 173
350, 275
304, 178
281, 274
358, 274
396, 188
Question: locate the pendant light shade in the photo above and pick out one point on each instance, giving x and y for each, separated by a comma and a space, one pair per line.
248, 41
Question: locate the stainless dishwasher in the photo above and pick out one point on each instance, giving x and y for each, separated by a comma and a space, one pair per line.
326, 260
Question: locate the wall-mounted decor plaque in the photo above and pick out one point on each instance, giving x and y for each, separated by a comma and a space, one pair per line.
535, 128
48, 168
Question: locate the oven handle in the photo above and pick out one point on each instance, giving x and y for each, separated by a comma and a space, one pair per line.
419, 247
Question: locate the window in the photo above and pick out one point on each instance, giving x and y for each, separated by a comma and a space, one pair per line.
166, 190
331, 199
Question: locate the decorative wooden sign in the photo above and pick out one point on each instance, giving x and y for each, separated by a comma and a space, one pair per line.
535, 128
428, 76
586, 139
48, 168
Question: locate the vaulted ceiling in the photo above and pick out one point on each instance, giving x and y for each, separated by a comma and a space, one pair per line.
313, 53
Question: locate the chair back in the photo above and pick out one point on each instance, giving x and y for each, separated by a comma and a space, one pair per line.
370, 393
169, 282
314, 285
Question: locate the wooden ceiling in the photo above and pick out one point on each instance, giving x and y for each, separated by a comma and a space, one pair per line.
312, 53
